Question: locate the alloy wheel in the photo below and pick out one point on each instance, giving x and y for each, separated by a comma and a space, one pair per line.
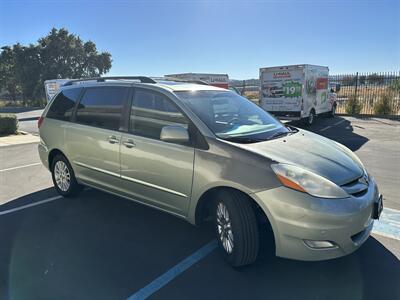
62, 175
224, 228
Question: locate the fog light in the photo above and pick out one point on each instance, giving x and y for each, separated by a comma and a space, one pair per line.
320, 244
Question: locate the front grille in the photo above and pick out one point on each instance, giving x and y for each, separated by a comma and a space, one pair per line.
357, 187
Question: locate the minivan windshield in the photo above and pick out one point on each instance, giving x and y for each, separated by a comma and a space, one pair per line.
232, 117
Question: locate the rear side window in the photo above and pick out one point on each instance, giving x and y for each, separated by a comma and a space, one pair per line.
151, 111
63, 105
102, 107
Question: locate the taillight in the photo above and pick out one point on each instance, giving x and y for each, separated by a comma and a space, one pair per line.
40, 121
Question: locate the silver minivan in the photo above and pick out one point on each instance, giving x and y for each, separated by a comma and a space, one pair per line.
204, 153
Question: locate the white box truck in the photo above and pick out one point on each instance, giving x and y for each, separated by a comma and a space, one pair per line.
296, 92
218, 80
53, 86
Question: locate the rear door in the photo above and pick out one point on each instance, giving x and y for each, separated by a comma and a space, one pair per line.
93, 140
281, 89
156, 172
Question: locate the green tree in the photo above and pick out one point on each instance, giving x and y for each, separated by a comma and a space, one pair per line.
65, 55
384, 106
28, 71
60, 54
353, 106
8, 77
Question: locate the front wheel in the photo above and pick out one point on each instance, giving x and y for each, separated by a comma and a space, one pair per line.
64, 177
236, 227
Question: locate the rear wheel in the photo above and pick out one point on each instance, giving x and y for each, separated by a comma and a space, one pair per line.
310, 120
332, 113
64, 177
236, 227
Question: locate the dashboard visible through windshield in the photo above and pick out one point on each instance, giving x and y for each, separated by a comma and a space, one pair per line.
232, 117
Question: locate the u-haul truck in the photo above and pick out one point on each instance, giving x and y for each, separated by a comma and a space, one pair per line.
53, 86
219, 80
296, 92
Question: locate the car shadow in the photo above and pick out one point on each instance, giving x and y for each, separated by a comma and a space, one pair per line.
372, 272
99, 246
338, 129
94, 246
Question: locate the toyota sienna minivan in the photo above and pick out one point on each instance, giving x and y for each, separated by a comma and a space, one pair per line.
204, 153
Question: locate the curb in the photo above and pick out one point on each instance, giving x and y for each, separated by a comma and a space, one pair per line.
28, 119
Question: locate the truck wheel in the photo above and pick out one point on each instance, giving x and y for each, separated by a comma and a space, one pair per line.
310, 120
64, 177
332, 113
236, 227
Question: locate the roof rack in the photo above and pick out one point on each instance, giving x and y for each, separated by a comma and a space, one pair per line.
142, 79
184, 80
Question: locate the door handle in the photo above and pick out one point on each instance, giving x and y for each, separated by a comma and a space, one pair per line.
129, 143
112, 139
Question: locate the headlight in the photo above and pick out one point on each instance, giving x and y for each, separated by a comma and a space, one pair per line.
308, 182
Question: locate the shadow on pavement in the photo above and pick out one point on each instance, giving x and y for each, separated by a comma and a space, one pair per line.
99, 246
96, 246
370, 273
342, 133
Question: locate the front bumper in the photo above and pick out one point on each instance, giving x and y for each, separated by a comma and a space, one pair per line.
297, 218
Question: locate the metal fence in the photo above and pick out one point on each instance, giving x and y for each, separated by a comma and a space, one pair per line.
374, 93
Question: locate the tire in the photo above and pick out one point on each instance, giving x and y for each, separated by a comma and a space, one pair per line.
310, 120
236, 228
64, 177
332, 113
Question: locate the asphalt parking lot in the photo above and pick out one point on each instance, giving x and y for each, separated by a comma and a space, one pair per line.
98, 246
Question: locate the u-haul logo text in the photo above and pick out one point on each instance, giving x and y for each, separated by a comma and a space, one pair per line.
281, 75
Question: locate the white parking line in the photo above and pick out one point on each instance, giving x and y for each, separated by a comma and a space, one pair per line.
4, 212
340, 122
325, 128
175, 271
388, 224
330, 126
20, 167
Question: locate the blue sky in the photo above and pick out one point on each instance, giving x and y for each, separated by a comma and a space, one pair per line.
234, 37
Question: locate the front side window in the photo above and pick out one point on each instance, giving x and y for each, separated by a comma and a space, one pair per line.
102, 107
151, 111
232, 117
63, 105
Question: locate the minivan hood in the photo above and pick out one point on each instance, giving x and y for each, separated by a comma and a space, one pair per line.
313, 152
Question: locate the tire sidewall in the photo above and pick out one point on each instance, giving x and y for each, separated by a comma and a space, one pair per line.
333, 112
310, 120
73, 186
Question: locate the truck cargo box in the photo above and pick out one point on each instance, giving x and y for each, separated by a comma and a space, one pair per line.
294, 92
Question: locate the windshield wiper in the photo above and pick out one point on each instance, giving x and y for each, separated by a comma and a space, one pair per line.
281, 134
244, 140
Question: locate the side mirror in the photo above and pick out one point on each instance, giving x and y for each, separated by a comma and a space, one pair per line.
174, 134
